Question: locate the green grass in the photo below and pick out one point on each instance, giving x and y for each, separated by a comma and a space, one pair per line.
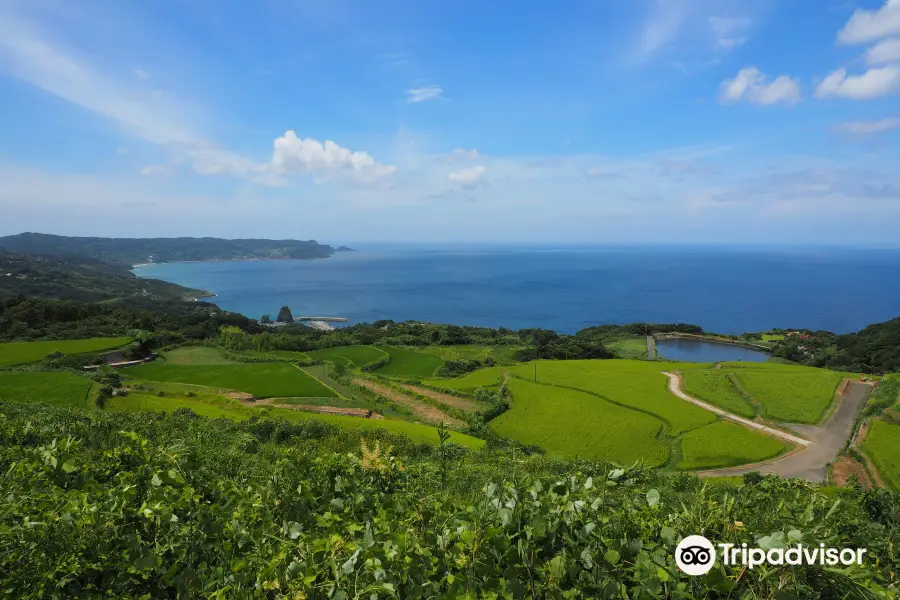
633, 383
715, 386
20, 353
724, 444
629, 348
263, 380
487, 378
574, 424
196, 355
60, 389
409, 363
288, 354
501, 355
349, 355
882, 446
208, 406
770, 337
789, 393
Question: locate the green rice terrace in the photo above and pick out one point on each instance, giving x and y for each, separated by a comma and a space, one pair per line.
217, 420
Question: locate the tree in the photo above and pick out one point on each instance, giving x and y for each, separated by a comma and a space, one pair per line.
284, 315
265, 319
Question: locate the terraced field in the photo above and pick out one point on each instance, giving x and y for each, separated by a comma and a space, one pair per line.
349, 355
196, 355
20, 353
409, 363
502, 355
636, 384
575, 424
487, 378
725, 444
789, 393
263, 380
882, 446
715, 386
60, 389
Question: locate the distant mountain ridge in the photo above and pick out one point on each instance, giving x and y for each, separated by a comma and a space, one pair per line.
134, 251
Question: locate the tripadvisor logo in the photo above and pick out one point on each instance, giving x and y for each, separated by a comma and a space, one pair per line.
696, 555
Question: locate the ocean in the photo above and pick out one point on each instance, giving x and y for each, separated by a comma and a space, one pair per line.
725, 290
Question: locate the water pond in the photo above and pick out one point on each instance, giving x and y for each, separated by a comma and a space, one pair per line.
702, 351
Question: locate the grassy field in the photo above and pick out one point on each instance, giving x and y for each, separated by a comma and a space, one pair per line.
487, 378
196, 355
882, 446
715, 386
409, 363
771, 337
20, 353
349, 355
60, 389
633, 383
501, 355
263, 380
629, 348
789, 393
210, 405
579, 425
724, 444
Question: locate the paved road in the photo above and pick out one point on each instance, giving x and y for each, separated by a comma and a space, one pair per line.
827, 441
675, 388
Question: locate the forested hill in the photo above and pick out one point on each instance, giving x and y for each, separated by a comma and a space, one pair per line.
133, 251
875, 349
83, 279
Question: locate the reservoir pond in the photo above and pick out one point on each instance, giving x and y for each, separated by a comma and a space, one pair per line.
701, 351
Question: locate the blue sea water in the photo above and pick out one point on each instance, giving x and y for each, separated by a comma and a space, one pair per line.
726, 290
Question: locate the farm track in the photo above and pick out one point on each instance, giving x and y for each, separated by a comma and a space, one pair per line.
675, 387
426, 412
809, 462
448, 399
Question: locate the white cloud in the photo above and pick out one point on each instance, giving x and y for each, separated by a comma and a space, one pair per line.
870, 25
467, 177
869, 127
153, 170
751, 85
662, 26
729, 31
141, 74
884, 52
431, 92
122, 151
299, 155
874, 83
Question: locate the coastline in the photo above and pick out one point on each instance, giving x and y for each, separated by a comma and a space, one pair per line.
208, 260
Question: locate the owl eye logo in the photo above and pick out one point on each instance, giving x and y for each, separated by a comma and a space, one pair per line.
695, 555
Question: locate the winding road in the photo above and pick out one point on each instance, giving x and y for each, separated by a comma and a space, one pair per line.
822, 446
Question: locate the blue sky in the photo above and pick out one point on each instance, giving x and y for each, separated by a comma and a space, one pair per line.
670, 121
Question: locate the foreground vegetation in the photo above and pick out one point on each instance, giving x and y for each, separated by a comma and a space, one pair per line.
20, 353
138, 505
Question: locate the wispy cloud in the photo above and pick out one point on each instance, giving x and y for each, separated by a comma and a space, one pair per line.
868, 127
870, 25
431, 92
729, 32
141, 74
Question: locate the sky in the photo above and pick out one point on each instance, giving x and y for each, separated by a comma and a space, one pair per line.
584, 121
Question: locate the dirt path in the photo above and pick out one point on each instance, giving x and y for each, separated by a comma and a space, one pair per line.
424, 411
675, 388
468, 406
809, 463
332, 410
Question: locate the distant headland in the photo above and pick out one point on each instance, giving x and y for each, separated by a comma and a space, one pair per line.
131, 252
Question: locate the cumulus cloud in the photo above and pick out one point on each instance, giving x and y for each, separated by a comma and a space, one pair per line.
868, 127
870, 25
884, 52
431, 92
751, 85
874, 83
467, 177
293, 154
